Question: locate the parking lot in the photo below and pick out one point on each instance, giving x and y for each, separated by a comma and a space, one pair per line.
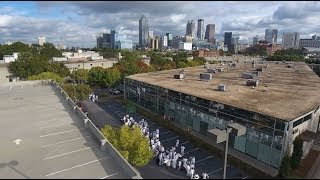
41, 137
205, 161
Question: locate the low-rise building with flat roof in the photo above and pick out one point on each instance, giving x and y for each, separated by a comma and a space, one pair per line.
283, 104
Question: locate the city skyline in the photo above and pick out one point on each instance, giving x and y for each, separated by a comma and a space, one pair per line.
78, 23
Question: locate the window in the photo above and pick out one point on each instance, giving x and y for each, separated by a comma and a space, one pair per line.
297, 122
308, 117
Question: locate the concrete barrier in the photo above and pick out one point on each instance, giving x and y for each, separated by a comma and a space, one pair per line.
80, 113
105, 144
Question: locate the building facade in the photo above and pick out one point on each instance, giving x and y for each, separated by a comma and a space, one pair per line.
210, 30
290, 40
41, 40
191, 29
200, 29
255, 40
143, 32
185, 46
312, 43
206, 53
170, 39
163, 42
227, 38
271, 35
268, 137
272, 48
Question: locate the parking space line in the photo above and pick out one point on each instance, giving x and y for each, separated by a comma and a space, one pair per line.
164, 132
51, 120
245, 177
191, 150
65, 141
169, 139
77, 166
60, 132
69, 123
204, 159
217, 170
69, 152
184, 143
109, 175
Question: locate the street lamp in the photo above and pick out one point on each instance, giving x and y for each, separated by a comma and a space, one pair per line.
223, 136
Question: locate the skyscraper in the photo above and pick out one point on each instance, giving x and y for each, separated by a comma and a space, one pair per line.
143, 32
164, 42
210, 33
170, 39
41, 40
255, 40
271, 35
227, 38
200, 29
290, 40
113, 39
191, 29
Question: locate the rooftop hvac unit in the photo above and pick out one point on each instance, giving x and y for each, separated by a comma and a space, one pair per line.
260, 69
179, 76
222, 87
253, 65
248, 75
257, 73
205, 76
219, 69
211, 70
252, 82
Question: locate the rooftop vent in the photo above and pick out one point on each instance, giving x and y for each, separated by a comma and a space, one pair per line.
248, 75
222, 87
211, 70
252, 82
267, 66
179, 76
205, 76
219, 69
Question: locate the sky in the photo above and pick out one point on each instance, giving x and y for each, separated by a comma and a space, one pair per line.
78, 23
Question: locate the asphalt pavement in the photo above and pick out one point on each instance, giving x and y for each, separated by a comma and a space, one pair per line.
205, 161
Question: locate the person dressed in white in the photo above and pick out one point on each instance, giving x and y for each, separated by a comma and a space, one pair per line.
196, 176
174, 163
160, 159
96, 97
188, 170
182, 150
192, 166
179, 165
169, 163
205, 176
193, 160
177, 143
191, 173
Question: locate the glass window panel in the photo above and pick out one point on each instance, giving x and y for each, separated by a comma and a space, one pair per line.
264, 153
252, 148
275, 158
240, 143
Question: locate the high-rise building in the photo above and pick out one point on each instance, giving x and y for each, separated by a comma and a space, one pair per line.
191, 29
163, 42
271, 35
255, 40
41, 40
200, 29
113, 39
143, 32
150, 34
210, 30
154, 42
170, 39
290, 40
227, 38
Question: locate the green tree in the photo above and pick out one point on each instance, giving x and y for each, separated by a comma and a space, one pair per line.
59, 68
285, 168
80, 75
28, 64
130, 142
182, 65
112, 77
78, 92
297, 153
47, 75
96, 76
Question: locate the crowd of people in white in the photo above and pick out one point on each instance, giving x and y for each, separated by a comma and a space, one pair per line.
169, 157
93, 97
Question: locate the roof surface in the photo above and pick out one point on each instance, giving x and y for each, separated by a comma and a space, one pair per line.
284, 93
